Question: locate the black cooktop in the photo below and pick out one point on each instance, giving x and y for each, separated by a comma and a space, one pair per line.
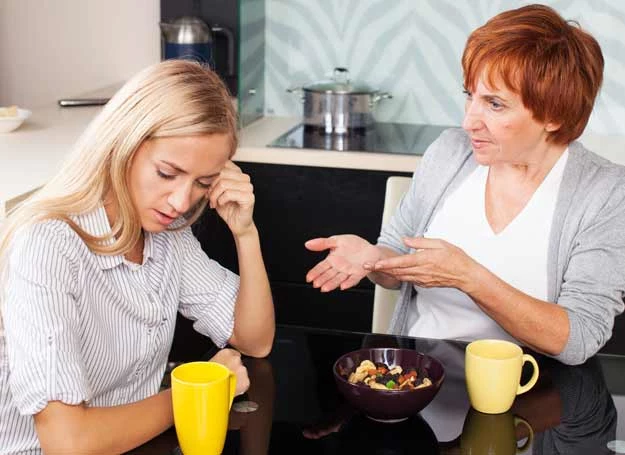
400, 138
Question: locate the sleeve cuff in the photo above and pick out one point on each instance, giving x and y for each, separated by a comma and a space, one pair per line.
218, 321
37, 404
576, 351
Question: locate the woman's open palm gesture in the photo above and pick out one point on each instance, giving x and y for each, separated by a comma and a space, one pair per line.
343, 267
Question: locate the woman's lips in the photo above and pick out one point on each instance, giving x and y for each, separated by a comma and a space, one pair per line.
479, 143
164, 219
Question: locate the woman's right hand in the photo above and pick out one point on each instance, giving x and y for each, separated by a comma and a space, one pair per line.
343, 267
231, 359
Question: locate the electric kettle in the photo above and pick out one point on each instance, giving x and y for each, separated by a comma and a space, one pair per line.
189, 37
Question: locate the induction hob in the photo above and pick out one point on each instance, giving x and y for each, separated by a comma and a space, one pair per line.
398, 138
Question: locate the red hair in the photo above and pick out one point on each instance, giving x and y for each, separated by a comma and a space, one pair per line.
554, 65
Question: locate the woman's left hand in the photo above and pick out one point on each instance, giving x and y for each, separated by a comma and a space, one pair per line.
436, 263
231, 359
232, 195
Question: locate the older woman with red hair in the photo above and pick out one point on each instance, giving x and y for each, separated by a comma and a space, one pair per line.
511, 229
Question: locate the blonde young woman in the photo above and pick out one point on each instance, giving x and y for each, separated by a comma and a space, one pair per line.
96, 265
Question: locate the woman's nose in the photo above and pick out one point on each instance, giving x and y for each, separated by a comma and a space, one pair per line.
180, 199
472, 117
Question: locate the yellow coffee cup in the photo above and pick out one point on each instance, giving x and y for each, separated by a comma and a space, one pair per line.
493, 433
493, 374
202, 394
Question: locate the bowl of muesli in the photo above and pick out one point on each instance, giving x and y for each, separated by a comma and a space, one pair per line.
388, 384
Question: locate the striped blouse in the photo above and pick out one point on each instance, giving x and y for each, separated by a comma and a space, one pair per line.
81, 327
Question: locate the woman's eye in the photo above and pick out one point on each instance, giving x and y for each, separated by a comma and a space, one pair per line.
467, 93
496, 105
203, 185
164, 175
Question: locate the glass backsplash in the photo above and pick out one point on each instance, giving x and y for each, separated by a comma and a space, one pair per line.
409, 48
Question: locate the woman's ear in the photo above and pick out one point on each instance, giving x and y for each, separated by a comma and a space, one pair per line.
550, 127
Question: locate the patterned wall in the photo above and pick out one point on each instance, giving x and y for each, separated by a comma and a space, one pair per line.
412, 48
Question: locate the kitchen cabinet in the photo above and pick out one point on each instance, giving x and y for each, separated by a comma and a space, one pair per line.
294, 204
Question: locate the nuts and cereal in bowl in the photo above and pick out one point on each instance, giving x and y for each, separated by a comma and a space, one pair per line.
383, 377
388, 384
12, 117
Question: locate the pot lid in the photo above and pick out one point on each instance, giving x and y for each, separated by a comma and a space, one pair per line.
340, 83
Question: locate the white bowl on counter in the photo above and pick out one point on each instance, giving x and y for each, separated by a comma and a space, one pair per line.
8, 124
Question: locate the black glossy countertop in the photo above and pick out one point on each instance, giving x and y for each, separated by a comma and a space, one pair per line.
572, 410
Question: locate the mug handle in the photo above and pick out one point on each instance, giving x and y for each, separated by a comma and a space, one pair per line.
530, 437
524, 388
233, 385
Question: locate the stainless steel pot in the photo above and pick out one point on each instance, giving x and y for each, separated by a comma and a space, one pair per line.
338, 105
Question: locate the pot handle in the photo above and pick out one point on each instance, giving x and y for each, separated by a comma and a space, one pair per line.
297, 90
375, 99
341, 74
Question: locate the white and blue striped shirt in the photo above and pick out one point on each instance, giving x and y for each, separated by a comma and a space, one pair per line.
81, 327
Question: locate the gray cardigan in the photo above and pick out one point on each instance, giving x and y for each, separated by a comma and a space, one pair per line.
586, 257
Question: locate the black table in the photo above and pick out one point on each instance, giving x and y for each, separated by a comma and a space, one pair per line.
572, 410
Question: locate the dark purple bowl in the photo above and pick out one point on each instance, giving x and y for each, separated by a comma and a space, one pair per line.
388, 405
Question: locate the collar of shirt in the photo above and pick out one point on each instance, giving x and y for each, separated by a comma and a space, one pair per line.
96, 223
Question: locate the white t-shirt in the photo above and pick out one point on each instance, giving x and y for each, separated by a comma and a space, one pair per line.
517, 255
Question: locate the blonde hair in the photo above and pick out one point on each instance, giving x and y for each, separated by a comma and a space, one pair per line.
171, 98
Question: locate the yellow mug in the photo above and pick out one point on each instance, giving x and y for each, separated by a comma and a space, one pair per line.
202, 394
493, 374
493, 433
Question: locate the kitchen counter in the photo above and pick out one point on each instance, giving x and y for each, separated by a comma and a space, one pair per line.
253, 148
33, 153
